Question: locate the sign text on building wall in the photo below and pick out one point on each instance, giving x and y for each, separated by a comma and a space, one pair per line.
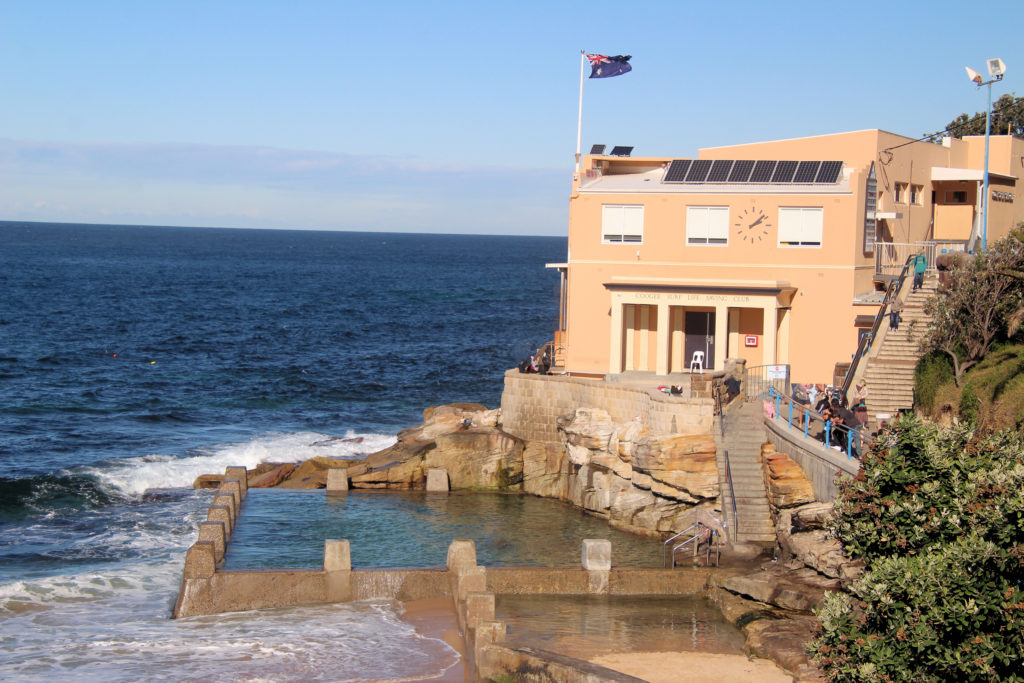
689, 299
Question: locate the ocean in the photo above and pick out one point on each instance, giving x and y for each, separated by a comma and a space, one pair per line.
133, 359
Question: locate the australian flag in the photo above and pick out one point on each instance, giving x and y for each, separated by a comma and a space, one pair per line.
602, 66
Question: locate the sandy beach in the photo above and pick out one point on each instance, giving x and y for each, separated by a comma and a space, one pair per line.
699, 667
435, 618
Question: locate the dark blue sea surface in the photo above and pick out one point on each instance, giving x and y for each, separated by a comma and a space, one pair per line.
133, 359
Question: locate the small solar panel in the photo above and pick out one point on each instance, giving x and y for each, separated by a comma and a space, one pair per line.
740, 172
621, 151
698, 171
762, 172
676, 172
597, 149
806, 171
784, 172
720, 170
829, 172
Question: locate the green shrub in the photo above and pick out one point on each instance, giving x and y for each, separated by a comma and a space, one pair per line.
938, 518
969, 403
933, 371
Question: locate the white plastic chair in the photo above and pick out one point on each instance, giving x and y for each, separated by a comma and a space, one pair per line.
697, 361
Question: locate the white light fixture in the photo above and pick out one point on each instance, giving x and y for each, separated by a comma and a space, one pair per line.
996, 69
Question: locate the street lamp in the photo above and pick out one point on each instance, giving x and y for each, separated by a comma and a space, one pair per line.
996, 69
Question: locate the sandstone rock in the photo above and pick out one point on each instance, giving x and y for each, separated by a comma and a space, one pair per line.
487, 418
307, 475
787, 485
590, 428
545, 471
783, 641
484, 458
272, 477
811, 516
445, 419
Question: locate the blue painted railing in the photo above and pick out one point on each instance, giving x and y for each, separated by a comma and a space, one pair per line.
856, 441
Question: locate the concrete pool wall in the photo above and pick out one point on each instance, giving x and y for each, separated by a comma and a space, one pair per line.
206, 589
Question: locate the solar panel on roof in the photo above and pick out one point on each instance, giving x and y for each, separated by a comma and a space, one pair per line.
806, 171
698, 171
741, 171
720, 171
829, 172
762, 172
784, 172
676, 172
621, 151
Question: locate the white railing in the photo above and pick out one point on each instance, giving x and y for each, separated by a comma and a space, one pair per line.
890, 256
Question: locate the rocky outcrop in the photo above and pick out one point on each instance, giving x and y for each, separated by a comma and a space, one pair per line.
772, 633
802, 535
785, 482
622, 472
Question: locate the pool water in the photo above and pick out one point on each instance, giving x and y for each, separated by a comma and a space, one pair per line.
413, 529
587, 627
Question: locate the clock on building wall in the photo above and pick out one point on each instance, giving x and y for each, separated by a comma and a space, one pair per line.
753, 224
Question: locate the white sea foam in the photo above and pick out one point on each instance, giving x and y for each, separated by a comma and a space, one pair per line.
135, 476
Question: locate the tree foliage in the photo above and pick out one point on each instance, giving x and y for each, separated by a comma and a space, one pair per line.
1007, 119
938, 518
982, 303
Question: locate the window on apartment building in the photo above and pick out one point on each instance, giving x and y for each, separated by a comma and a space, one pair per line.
956, 197
916, 194
622, 223
800, 226
899, 193
707, 225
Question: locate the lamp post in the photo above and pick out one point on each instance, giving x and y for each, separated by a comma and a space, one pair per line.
996, 69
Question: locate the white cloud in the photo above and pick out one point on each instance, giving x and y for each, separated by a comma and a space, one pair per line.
241, 186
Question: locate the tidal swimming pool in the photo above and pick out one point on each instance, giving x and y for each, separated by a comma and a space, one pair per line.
412, 529
585, 627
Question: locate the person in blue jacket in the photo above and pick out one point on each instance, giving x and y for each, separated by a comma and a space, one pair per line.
920, 265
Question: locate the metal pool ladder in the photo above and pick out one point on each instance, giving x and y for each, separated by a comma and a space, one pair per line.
696, 534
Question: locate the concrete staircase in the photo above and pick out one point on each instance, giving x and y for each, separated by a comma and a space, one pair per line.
744, 434
890, 368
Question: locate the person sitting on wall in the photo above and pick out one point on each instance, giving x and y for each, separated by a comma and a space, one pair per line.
732, 389
545, 363
847, 439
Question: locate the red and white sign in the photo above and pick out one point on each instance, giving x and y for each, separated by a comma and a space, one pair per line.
750, 340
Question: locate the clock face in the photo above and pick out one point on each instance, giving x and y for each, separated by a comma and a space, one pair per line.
753, 224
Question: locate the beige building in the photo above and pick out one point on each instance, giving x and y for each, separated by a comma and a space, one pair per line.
772, 251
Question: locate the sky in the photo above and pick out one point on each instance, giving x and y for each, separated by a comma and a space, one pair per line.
447, 117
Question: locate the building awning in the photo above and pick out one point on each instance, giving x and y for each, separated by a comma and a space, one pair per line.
940, 173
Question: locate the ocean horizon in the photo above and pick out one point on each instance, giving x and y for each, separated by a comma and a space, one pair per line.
134, 358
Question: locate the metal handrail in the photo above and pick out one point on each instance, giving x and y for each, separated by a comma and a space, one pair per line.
864, 442
695, 538
757, 379
734, 517
864, 346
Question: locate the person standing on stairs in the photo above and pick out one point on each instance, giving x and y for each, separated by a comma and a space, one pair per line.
895, 309
920, 265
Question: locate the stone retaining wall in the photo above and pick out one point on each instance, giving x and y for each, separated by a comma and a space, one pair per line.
820, 466
531, 405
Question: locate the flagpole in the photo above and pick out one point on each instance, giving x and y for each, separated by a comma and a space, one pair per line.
579, 118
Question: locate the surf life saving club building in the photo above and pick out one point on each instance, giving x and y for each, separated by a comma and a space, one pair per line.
774, 252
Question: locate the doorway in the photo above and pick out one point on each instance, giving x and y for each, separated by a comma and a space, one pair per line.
700, 336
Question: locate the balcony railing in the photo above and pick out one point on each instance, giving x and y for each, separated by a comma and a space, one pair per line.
890, 256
